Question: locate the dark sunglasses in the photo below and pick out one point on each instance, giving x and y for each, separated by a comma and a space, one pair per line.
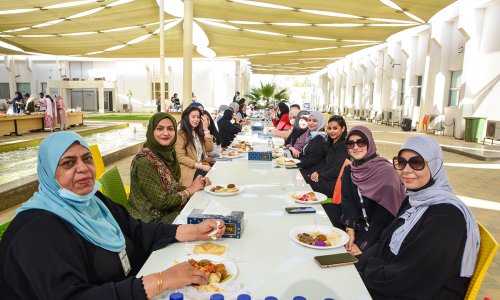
417, 163
361, 143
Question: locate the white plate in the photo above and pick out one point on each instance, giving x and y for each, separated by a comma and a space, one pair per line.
321, 197
342, 239
295, 161
237, 154
209, 187
216, 259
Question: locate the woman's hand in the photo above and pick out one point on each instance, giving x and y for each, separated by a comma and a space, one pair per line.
352, 238
315, 176
205, 122
206, 168
197, 185
207, 181
182, 275
355, 250
210, 160
295, 152
201, 231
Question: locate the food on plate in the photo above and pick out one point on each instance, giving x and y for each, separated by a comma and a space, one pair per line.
310, 196
319, 239
231, 188
209, 288
231, 153
210, 248
216, 272
284, 160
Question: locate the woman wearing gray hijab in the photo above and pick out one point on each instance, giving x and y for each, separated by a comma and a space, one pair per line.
313, 152
220, 113
430, 250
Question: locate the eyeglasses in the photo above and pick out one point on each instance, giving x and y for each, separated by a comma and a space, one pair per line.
417, 163
361, 143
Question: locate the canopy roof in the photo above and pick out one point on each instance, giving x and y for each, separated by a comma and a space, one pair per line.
295, 37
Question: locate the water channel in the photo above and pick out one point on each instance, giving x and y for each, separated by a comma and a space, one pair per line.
22, 162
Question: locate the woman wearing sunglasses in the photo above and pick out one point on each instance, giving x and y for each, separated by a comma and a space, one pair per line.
372, 192
430, 250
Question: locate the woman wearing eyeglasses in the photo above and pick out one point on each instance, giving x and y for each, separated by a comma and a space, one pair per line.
430, 250
372, 192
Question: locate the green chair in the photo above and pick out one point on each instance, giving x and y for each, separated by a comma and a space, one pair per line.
112, 186
3, 227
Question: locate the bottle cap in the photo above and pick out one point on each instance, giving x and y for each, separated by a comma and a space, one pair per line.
176, 296
270, 298
217, 297
244, 297
299, 298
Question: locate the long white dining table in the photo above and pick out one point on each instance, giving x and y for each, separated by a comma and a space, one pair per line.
269, 262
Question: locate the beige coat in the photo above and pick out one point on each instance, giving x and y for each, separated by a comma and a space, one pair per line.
187, 157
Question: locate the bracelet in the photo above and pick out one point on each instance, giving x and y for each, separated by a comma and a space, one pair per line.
160, 283
348, 229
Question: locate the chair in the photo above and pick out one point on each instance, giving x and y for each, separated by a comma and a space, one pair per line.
485, 256
3, 228
99, 165
98, 161
112, 186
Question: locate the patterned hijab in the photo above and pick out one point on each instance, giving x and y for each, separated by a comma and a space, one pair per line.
166, 154
375, 177
438, 193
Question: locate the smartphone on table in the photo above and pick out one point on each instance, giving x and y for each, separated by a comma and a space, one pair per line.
300, 210
334, 260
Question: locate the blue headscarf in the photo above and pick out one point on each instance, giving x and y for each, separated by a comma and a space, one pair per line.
90, 218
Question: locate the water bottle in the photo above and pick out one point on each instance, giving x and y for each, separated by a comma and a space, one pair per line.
269, 144
176, 296
217, 297
244, 297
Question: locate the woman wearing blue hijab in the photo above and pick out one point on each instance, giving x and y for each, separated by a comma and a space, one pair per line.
71, 242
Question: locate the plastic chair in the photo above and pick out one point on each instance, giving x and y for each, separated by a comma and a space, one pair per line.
98, 161
3, 228
112, 186
485, 256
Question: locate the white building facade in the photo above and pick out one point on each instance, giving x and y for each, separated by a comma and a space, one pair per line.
448, 69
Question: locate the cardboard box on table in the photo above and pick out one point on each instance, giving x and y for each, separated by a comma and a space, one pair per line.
233, 222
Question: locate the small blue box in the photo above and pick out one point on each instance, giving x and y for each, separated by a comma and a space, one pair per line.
257, 128
233, 222
265, 156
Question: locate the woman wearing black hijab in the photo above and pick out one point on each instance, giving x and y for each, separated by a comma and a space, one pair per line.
227, 130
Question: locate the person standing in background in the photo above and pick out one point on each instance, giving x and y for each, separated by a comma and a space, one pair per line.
236, 97
50, 114
41, 102
61, 112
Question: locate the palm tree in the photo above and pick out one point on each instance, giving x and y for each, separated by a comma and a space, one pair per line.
266, 93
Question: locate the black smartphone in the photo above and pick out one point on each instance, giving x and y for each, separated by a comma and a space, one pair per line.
334, 260
300, 210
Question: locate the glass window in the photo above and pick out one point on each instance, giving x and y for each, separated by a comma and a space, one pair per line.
23, 87
44, 87
156, 90
419, 90
456, 77
4, 90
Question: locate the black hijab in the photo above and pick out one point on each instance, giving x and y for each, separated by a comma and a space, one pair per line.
284, 109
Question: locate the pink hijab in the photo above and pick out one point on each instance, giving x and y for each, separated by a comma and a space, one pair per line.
375, 176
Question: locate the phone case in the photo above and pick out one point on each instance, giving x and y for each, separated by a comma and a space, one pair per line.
337, 265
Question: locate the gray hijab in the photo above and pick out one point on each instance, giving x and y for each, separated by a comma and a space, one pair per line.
438, 193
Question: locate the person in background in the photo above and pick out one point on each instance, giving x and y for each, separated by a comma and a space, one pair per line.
197, 104
193, 142
430, 250
85, 245
324, 179
61, 113
4, 106
227, 130
299, 135
50, 113
241, 116
30, 103
281, 120
212, 128
156, 194
295, 106
17, 103
41, 102
176, 102
220, 113
236, 96
158, 105
212, 110
372, 192
250, 109
286, 133
313, 153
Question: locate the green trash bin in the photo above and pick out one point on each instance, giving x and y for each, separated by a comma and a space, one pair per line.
474, 129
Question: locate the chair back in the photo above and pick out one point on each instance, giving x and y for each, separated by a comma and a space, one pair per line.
3, 228
112, 186
487, 251
98, 162
337, 194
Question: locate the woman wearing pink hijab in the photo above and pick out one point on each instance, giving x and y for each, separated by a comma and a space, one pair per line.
61, 113
372, 191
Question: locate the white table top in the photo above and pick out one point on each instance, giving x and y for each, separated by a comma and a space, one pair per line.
269, 262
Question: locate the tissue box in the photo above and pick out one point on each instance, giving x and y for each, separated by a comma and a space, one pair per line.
257, 127
266, 156
233, 222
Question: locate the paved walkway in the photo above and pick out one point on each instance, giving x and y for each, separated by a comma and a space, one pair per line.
475, 181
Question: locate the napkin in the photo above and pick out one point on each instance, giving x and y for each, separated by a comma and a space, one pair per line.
216, 208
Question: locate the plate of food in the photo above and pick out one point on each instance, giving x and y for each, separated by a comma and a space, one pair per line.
285, 161
278, 152
306, 197
241, 147
231, 154
218, 268
319, 236
223, 189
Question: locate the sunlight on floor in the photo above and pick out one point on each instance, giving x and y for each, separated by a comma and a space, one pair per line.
478, 203
474, 166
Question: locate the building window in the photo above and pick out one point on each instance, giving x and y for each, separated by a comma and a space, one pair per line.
156, 90
44, 87
456, 77
419, 90
402, 96
4, 90
23, 87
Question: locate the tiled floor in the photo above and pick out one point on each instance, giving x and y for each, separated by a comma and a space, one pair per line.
476, 182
